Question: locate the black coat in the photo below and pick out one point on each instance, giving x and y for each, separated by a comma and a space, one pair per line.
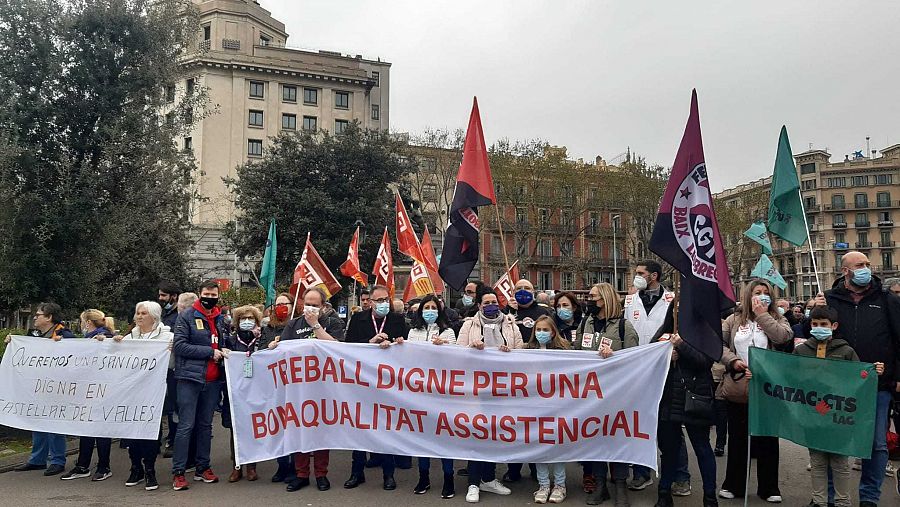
691, 372
361, 329
871, 327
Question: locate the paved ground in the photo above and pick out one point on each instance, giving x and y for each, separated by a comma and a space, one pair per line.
32, 488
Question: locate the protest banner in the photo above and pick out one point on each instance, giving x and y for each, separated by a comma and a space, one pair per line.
419, 399
822, 404
84, 387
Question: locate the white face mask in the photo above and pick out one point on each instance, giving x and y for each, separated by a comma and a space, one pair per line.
640, 283
311, 309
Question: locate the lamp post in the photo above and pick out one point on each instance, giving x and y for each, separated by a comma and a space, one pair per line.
615, 224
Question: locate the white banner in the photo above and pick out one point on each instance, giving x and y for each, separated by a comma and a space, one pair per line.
84, 387
420, 399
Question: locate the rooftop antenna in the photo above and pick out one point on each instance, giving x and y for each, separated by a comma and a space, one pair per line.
868, 148
810, 146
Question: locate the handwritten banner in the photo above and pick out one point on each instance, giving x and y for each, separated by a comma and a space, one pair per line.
84, 387
420, 399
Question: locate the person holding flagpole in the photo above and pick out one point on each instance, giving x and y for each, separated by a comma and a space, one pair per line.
757, 325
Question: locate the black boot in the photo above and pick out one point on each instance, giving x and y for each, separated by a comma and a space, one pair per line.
424, 483
599, 495
449, 490
664, 499
621, 496
710, 500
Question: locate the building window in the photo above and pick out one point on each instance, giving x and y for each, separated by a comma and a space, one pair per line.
254, 147
568, 281
429, 191
189, 116
257, 89
521, 216
859, 181
862, 220
190, 86
289, 121
545, 248
340, 126
256, 118
839, 238
809, 202
311, 96
807, 168
207, 32
861, 200
546, 280
170, 93
837, 201
838, 219
264, 40
837, 182
188, 144
884, 217
310, 123
887, 261
289, 93
885, 238
566, 248
543, 217
376, 77
863, 238
809, 184
521, 248
376, 113
884, 179
883, 199
342, 100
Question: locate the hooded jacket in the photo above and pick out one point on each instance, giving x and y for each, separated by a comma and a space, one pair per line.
871, 327
835, 348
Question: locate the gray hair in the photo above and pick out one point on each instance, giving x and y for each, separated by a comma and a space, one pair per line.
185, 300
152, 308
890, 282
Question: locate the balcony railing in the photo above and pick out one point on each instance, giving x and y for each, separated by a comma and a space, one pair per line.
861, 205
885, 269
887, 244
885, 223
863, 244
862, 225
887, 204
231, 44
812, 208
839, 225
835, 206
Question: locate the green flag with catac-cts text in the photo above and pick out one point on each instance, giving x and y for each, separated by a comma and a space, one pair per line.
822, 404
785, 207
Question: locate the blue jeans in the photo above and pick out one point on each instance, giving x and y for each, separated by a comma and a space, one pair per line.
873, 468
196, 403
543, 474
670, 438
446, 465
682, 474
43, 444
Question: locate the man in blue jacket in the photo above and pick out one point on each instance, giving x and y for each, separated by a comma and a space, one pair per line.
202, 339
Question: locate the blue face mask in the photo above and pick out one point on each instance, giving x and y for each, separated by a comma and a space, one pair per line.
543, 337
565, 313
430, 316
382, 309
524, 297
766, 300
490, 310
862, 277
820, 333
247, 324
467, 300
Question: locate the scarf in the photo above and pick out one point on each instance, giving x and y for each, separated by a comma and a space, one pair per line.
212, 368
492, 330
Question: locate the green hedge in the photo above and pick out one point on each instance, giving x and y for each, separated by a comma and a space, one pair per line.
4, 332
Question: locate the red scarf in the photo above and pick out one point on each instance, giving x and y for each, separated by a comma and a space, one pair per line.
212, 368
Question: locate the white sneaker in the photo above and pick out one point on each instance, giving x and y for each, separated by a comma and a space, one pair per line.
542, 494
472, 495
558, 495
724, 493
494, 487
774, 499
889, 470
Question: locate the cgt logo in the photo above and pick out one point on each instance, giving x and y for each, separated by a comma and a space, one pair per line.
840, 407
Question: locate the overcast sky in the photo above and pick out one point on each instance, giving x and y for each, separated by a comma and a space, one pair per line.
598, 77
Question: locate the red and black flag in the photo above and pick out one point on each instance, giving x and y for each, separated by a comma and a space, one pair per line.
474, 188
686, 235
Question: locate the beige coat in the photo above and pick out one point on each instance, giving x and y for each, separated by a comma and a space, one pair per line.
471, 333
778, 331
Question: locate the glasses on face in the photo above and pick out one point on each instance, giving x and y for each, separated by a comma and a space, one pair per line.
381, 300
470, 292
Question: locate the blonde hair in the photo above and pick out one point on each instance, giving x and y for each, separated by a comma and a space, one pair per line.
243, 312
95, 317
747, 302
612, 306
110, 323
556, 342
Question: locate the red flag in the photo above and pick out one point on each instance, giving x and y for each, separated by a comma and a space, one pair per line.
310, 272
384, 264
686, 235
407, 242
419, 283
431, 262
505, 286
350, 267
474, 188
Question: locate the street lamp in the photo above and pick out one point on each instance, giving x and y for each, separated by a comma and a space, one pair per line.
615, 221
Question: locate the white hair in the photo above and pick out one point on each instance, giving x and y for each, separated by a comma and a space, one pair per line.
152, 308
186, 299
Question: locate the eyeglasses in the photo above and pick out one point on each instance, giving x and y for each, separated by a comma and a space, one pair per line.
381, 300
470, 292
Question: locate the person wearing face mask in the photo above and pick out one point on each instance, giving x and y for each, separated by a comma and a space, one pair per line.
567, 316
377, 325
430, 324
489, 328
757, 325
167, 297
870, 324
546, 336
202, 339
604, 329
170, 405
801, 328
246, 341
466, 305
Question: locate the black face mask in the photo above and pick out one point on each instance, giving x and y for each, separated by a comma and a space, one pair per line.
208, 302
591, 308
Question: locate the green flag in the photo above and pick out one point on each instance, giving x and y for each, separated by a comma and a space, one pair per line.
765, 269
822, 404
757, 232
267, 270
785, 207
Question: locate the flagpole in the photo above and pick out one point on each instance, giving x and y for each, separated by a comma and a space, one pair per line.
675, 302
502, 239
812, 252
